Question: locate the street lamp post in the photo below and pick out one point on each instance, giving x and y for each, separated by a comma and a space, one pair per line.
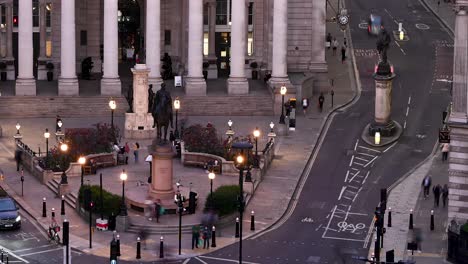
211, 176
46, 136
230, 132
272, 134
180, 207
283, 92
256, 134
123, 207
18, 135
113, 106
64, 149
176, 107
58, 129
82, 161
242, 148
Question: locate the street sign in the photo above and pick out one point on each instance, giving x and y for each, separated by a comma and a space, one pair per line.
444, 135
178, 81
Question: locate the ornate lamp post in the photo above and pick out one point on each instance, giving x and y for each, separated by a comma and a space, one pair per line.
230, 132
18, 136
180, 209
211, 176
176, 107
283, 92
64, 149
58, 129
272, 133
243, 149
112, 106
82, 161
123, 207
256, 134
46, 136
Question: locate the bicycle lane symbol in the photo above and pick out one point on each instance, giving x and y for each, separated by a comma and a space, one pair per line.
351, 228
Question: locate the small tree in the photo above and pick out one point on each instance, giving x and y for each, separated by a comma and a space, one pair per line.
203, 139
224, 200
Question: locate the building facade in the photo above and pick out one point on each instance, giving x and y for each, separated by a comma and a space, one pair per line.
221, 37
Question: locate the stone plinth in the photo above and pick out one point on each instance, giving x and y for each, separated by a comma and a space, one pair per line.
383, 106
121, 223
139, 124
161, 183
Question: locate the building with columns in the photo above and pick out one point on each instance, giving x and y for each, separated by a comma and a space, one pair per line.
283, 37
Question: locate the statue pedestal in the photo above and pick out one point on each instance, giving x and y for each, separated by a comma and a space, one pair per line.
161, 183
139, 126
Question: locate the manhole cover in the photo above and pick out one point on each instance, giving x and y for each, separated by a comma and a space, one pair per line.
422, 26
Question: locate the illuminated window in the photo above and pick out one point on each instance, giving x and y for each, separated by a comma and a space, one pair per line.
205, 44
49, 48
250, 44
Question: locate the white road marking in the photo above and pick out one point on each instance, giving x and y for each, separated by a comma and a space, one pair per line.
370, 149
365, 154
409, 100
6, 250
341, 193
370, 162
402, 51
186, 261
201, 260
354, 169
404, 125
346, 239
351, 161
6, 149
228, 260
362, 159
360, 164
357, 194
365, 177
387, 149
354, 187
40, 252
407, 111
355, 145
26, 249
397, 44
346, 177
354, 175
329, 221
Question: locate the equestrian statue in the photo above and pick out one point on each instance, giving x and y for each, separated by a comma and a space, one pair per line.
162, 112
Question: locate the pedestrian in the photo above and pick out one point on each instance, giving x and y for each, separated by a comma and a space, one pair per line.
445, 192
18, 159
157, 210
195, 235
426, 184
305, 104
172, 137
206, 238
143, 234
127, 151
436, 191
343, 53
328, 40
136, 149
321, 100
445, 150
335, 46
345, 42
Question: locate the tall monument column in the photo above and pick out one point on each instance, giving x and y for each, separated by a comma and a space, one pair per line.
153, 41
458, 156
68, 83
110, 83
195, 84
25, 84
237, 82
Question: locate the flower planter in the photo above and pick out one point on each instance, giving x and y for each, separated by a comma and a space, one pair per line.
102, 224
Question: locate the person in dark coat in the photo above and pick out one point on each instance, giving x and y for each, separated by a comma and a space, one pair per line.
445, 193
18, 159
436, 191
321, 100
343, 53
157, 210
195, 235
206, 238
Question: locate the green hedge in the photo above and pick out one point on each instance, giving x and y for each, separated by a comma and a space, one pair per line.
465, 227
111, 201
224, 200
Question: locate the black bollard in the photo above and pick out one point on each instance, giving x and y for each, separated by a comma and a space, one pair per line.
118, 245
138, 253
44, 211
53, 213
389, 222
411, 219
2, 254
62, 209
161, 248
252, 221
7, 260
432, 220
237, 227
213, 237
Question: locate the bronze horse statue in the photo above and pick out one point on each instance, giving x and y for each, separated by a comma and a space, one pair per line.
162, 112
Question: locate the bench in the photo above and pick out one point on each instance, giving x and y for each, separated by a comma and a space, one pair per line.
202, 160
96, 161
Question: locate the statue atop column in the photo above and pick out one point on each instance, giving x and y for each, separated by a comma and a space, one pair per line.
383, 44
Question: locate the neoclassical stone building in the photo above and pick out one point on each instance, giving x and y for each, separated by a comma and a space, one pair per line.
282, 36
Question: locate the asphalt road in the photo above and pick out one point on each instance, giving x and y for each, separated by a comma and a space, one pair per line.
334, 211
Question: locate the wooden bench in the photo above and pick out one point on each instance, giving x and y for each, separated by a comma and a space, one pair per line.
200, 160
96, 161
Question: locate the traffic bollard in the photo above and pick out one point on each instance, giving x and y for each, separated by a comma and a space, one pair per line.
411, 219
432, 220
237, 227
62, 209
138, 253
389, 222
44, 211
252, 221
53, 213
161, 247
213, 237
2, 251
7, 259
118, 245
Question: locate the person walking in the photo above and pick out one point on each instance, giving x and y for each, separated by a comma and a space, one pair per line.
305, 104
18, 154
426, 185
335, 46
157, 210
436, 191
127, 152
445, 150
206, 238
445, 192
195, 235
345, 42
343, 53
136, 149
321, 99
328, 40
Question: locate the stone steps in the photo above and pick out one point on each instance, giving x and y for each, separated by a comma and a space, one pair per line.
96, 106
70, 198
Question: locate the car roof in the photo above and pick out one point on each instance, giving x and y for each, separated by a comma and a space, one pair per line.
375, 18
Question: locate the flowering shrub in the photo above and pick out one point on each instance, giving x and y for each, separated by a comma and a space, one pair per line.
202, 139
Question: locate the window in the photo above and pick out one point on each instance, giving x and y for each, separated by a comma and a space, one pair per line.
205, 14
167, 37
251, 13
221, 12
250, 44
2, 16
48, 14
83, 38
205, 44
35, 13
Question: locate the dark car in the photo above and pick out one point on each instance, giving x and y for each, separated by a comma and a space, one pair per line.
9, 216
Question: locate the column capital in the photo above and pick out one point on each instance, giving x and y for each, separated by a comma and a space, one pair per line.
460, 5
9, 3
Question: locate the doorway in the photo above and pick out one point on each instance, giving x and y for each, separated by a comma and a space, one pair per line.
223, 53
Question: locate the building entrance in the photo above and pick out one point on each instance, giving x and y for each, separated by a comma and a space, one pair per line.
130, 30
223, 53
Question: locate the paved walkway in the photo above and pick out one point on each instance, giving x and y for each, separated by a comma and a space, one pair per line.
292, 153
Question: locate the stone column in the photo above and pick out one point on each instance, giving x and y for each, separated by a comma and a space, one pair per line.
317, 62
153, 42
42, 29
460, 69
213, 68
25, 84
195, 84
161, 184
237, 83
68, 83
110, 83
9, 42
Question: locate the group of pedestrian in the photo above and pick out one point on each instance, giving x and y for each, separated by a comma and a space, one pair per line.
201, 235
437, 191
332, 42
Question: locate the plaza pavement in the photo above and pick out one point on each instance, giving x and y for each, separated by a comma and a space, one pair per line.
407, 193
269, 201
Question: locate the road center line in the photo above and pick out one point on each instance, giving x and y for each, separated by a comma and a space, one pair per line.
404, 125
407, 111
